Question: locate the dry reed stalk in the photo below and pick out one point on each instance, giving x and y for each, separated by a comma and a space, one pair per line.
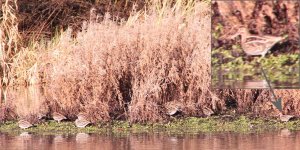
9, 39
131, 69
290, 99
28, 102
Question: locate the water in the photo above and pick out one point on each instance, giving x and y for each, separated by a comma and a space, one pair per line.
253, 84
241, 80
283, 139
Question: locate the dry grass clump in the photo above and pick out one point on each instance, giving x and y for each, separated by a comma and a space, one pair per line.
135, 69
43, 18
291, 101
114, 70
23, 23
255, 102
26, 103
9, 39
258, 102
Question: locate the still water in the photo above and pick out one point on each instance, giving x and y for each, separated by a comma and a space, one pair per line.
283, 139
240, 80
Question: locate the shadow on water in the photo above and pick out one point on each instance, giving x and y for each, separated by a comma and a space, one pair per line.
283, 139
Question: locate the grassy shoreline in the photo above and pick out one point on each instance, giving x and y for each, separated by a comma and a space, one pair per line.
139, 69
240, 124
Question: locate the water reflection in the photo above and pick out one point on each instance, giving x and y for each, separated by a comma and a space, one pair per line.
254, 84
58, 139
251, 80
82, 137
285, 133
283, 139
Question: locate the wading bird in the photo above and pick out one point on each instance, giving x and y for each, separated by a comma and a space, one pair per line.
285, 118
58, 117
41, 116
81, 121
24, 124
254, 45
173, 110
207, 111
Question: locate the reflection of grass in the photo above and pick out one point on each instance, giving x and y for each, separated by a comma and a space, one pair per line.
279, 68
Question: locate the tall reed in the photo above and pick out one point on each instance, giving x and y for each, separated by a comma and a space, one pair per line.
135, 69
132, 69
9, 38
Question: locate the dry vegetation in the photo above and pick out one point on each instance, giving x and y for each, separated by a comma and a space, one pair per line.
132, 69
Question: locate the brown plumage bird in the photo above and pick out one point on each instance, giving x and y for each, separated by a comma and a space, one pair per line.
173, 110
41, 116
207, 111
285, 118
58, 117
256, 45
24, 124
81, 121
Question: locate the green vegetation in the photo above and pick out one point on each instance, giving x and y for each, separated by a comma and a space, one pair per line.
230, 62
191, 124
283, 68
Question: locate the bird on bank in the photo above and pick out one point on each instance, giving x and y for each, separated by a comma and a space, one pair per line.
24, 124
58, 117
285, 118
173, 110
41, 116
254, 45
207, 111
81, 121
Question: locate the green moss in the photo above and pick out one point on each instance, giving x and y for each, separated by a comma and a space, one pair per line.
191, 125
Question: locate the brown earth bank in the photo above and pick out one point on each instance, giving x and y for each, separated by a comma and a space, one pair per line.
137, 70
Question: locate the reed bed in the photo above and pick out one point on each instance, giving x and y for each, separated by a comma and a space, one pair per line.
128, 70
134, 68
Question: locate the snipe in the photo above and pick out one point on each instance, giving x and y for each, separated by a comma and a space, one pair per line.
173, 110
254, 45
207, 111
58, 117
81, 121
285, 118
41, 116
24, 124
